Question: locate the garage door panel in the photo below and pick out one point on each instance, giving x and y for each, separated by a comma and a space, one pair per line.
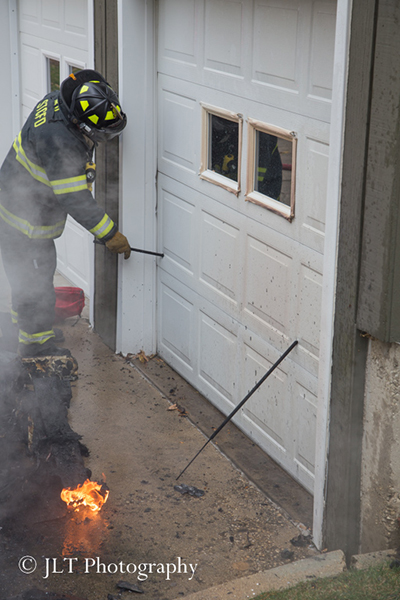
275, 44
177, 317
76, 21
223, 43
208, 356
178, 215
291, 441
32, 90
219, 266
177, 40
322, 49
268, 282
177, 130
52, 13
217, 356
305, 417
314, 166
30, 13
265, 407
56, 20
309, 316
201, 247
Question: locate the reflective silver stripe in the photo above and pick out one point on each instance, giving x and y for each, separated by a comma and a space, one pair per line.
35, 338
102, 228
73, 184
32, 231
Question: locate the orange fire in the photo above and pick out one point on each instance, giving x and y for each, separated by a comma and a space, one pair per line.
90, 494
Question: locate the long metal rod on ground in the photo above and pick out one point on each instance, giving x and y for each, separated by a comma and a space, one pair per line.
239, 406
137, 250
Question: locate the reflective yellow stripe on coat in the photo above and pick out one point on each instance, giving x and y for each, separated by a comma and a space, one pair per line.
32, 231
102, 228
36, 171
59, 186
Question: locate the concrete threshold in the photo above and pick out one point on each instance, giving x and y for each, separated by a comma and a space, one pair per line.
328, 564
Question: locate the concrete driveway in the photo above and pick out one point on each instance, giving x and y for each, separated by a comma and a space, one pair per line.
149, 534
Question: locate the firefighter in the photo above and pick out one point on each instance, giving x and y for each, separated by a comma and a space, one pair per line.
46, 176
269, 169
224, 147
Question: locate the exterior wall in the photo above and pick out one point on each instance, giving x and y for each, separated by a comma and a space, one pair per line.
9, 125
337, 506
362, 496
378, 303
6, 99
380, 479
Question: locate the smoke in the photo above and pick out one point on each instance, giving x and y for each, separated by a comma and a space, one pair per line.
5, 310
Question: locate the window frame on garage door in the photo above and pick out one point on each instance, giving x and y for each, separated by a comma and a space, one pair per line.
205, 172
252, 195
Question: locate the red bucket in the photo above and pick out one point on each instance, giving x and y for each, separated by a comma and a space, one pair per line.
69, 302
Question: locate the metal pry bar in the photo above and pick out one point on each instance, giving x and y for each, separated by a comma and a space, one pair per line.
148, 252
239, 406
135, 249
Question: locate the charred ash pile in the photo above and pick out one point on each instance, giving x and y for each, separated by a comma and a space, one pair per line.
40, 452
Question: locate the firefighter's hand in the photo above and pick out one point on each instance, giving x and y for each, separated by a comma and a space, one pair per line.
119, 244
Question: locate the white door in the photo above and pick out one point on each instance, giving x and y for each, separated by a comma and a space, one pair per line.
242, 277
54, 40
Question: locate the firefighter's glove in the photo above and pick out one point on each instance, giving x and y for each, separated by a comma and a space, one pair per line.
119, 244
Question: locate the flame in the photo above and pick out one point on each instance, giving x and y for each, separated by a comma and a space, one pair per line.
90, 494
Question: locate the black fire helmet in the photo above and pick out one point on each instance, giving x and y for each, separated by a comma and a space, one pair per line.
92, 105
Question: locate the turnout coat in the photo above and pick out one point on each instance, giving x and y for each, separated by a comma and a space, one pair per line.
43, 177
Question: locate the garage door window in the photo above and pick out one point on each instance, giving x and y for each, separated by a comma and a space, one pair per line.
221, 148
74, 69
271, 168
53, 75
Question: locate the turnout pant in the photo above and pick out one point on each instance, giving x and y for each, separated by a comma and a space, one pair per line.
30, 265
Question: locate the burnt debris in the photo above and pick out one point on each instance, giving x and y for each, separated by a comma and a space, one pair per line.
40, 452
189, 489
131, 587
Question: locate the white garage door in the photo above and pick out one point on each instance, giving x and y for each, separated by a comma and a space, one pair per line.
244, 108
54, 40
